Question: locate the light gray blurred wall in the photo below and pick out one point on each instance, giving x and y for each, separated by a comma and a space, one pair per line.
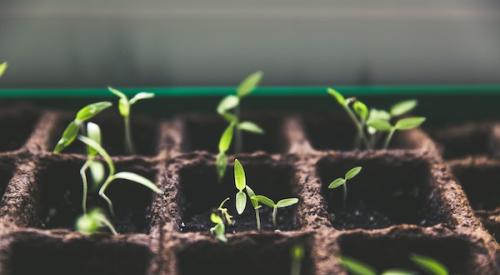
216, 42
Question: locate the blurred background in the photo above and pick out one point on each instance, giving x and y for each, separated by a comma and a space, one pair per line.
94, 43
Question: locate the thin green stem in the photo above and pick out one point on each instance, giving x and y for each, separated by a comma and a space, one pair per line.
359, 127
275, 213
238, 144
129, 144
296, 267
103, 195
345, 193
388, 138
109, 225
83, 174
257, 218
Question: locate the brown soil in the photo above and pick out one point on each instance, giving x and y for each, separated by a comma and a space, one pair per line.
406, 200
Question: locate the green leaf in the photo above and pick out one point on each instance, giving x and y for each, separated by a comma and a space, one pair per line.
338, 96
251, 194
361, 110
94, 133
430, 265
96, 146
215, 218
221, 163
380, 125
92, 110
87, 224
356, 267
69, 135
227, 103
250, 127
3, 68
249, 84
264, 200
287, 202
124, 107
336, 183
138, 179
241, 202
403, 107
297, 252
226, 138
117, 93
97, 172
218, 230
379, 114
353, 172
239, 176
141, 96
230, 118
409, 123
398, 272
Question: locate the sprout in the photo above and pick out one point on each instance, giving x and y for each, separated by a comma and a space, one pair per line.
112, 175
219, 228
430, 265
226, 105
124, 107
343, 181
71, 132
96, 167
280, 204
296, 255
243, 191
3, 68
370, 123
401, 125
90, 223
224, 213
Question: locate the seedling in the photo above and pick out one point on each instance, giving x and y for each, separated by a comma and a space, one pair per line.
112, 175
229, 109
219, 228
95, 166
280, 204
90, 223
124, 107
73, 129
3, 68
224, 213
430, 265
370, 123
401, 125
296, 255
343, 181
243, 191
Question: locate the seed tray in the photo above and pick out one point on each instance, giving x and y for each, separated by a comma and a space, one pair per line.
411, 198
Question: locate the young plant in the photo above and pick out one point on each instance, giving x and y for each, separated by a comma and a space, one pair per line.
90, 223
124, 107
244, 191
401, 125
366, 120
343, 181
112, 175
219, 229
96, 167
224, 212
73, 129
229, 109
280, 204
296, 256
430, 265
3, 68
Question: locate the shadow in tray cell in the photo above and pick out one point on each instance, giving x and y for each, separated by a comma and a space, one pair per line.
18, 127
386, 192
481, 185
61, 196
201, 193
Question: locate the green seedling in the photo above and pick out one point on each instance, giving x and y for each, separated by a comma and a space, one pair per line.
401, 125
343, 181
112, 175
219, 228
280, 204
371, 123
244, 191
297, 254
73, 129
96, 167
124, 107
224, 213
430, 265
90, 223
3, 68
229, 109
